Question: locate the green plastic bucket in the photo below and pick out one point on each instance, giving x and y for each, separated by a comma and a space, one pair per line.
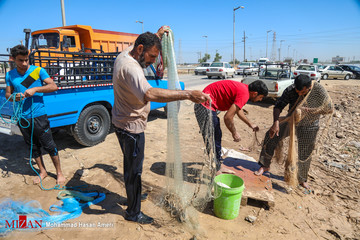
227, 200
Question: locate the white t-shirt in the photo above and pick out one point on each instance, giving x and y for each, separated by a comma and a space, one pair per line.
130, 110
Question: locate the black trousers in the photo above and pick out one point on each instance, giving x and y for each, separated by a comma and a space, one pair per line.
42, 136
211, 134
132, 146
306, 136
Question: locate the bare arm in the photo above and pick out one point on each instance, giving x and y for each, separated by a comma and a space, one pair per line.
9, 91
275, 127
242, 116
49, 87
229, 121
166, 95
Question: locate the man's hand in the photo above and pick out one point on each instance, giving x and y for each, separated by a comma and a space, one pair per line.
162, 30
236, 137
255, 128
197, 96
19, 97
29, 92
274, 129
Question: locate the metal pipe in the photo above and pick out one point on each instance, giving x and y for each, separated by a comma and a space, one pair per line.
63, 13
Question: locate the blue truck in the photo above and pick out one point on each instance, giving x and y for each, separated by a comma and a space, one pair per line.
82, 105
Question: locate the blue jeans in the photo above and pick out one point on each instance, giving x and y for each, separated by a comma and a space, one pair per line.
132, 146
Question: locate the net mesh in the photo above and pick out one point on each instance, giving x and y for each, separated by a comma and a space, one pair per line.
190, 167
307, 124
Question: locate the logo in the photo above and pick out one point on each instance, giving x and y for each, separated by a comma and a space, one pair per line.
23, 223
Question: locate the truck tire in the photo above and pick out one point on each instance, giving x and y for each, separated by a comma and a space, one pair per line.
92, 126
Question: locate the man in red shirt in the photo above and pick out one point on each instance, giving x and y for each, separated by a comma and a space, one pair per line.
230, 96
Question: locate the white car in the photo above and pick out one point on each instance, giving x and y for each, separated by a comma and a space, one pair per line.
247, 68
202, 68
221, 70
310, 70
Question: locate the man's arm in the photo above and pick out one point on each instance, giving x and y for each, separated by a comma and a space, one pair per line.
166, 95
280, 104
275, 127
9, 91
49, 87
229, 121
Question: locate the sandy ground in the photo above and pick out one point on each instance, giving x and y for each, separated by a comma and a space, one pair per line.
327, 213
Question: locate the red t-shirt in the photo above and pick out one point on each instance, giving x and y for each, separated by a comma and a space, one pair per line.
225, 93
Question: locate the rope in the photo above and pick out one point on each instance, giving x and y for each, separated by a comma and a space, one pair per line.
71, 207
17, 109
16, 119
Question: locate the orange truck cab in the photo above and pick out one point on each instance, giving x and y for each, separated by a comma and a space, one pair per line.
76, 38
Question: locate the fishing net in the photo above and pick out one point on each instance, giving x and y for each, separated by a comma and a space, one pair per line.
307, 124
190, 167
29, 215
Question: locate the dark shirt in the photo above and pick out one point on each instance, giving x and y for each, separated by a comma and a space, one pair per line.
289, 96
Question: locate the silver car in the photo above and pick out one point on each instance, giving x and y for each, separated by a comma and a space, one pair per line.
335, 72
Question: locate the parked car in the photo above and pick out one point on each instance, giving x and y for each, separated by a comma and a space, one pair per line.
247, 68
220, 69
310, 70
335, 72
202, 68
351, 68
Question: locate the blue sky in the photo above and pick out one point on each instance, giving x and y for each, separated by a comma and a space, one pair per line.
317, 28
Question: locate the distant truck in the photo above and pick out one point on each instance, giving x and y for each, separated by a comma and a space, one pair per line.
82, 105
76, 38
263, 61
277, 77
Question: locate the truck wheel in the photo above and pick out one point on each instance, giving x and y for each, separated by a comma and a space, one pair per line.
92, 126
347, 77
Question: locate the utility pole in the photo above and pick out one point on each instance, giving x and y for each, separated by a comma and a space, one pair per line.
244, 40
234, 35
288, 51
250, 54
273, 49
63, 13
142, 25
280, 50
206, 43
267, 34
180, 55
